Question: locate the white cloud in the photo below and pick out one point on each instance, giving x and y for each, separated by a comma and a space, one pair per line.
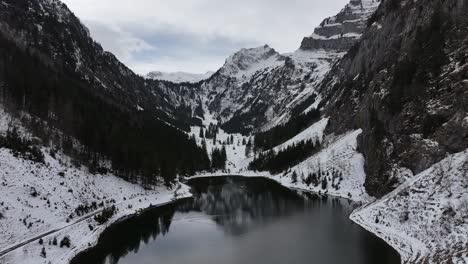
169, 64
279, 23
122, 43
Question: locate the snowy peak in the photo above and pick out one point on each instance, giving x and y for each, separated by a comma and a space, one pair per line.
246, 62
340, 32
179, 77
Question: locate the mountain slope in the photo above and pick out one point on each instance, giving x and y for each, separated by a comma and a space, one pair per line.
425, 219
50, 31
53, 73
259, 88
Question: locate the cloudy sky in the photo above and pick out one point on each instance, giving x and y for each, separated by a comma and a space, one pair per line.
197, 35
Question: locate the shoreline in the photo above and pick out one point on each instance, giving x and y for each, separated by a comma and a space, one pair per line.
91, 239
110, 223
81, 232
404, 255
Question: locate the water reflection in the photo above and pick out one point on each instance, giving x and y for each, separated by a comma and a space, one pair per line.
234, 220
238, 206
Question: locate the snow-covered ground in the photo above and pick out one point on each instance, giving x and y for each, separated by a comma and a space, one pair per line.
38, 199
236, 156
339, 154
426, 218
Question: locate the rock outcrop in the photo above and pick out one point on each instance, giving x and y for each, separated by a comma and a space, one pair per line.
342, 31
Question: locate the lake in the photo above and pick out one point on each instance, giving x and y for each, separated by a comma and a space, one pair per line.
242, 220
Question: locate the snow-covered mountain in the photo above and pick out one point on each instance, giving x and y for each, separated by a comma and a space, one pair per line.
258, 88
178, 77
243, 64
390, 80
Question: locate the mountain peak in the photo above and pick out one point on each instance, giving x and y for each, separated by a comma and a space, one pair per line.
248, 61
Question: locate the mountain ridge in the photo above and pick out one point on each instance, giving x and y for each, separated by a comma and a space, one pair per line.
179, 77
372, 106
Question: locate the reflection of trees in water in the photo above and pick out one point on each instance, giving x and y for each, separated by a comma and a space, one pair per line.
237, 205
120, 239
344, 206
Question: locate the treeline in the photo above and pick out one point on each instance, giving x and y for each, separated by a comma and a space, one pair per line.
135, 141
210, 133
321, 178
285, 158
282, 133
21, 147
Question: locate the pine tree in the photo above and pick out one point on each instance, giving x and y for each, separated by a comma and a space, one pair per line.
324, 183
248, 149
294, 177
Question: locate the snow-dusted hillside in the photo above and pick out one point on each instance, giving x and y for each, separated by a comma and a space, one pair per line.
426, 218
339, 164
41, 202
37, 199
341, 167
178, 77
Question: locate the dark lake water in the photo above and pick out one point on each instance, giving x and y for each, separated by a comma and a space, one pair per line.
237, 220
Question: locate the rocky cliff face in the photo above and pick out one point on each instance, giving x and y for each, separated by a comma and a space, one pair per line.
406, 85
342, 31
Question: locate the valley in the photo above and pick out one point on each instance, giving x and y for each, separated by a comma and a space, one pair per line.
370, 113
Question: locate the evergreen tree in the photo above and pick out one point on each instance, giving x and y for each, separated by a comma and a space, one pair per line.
285, 158
294, 177
248, 149
324, 183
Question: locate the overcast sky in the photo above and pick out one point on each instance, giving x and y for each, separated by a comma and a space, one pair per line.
197, 35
